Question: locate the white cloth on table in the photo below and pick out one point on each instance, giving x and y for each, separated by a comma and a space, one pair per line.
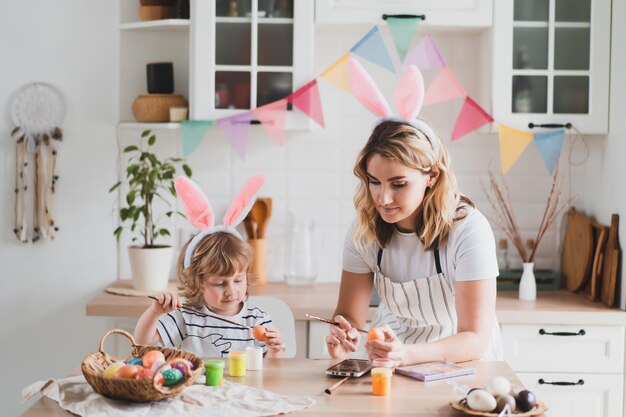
74, 394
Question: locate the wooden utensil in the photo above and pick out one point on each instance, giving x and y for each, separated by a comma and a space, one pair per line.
592, 289
577, 255
610, 264
260, 215
267, 207
249, 225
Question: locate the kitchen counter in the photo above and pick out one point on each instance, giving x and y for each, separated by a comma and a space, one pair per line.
555, 307
354, 398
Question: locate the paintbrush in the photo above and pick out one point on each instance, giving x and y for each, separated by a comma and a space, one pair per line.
208, 315
332, 322
336, 385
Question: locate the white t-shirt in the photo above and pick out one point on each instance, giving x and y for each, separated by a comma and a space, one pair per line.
209, 337
469, 254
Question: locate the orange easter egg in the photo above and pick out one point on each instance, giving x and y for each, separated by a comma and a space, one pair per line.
146, 373
152, 356
259, 333
128, 371
375, 334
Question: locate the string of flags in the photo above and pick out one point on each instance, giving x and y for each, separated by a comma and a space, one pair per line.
371, 47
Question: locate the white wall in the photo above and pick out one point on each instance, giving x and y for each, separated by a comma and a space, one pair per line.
71, 44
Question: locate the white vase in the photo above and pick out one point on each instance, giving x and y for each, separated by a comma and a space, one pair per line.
150, 267
527, 285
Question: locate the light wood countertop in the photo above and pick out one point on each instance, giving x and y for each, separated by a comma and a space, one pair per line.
320, 299
354, 398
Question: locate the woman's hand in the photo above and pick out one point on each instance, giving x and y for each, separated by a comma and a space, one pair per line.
165, 303
343, 339
390, 347
274, 342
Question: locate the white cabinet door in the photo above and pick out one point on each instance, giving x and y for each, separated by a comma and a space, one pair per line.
450, 13
586, 395
551, 63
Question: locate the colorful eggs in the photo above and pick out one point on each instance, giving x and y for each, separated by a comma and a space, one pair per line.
181, 367
375, 334
111, 370
171, 376
481, 400
499, 395
259, 333
152, 356
498, 385
135, 361
128, 371
158, 363
148, 374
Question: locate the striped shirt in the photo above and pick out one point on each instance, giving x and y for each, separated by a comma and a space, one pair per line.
209, 337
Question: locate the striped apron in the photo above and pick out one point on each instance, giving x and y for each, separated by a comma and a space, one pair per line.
422, 310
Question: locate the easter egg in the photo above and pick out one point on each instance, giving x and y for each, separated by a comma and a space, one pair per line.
171, 376
375, 334
503, 401
181, 367
128, 371
112, 369
259, 333
498, 385
135, 361
146, 373
152, 356
526, 400
481, 400
158, 363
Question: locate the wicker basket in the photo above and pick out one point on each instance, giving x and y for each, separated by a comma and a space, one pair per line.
137, 390
155, 108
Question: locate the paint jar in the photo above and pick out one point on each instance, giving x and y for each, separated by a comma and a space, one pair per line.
381, 381
237, 363
214, 372
382, 363
255, 358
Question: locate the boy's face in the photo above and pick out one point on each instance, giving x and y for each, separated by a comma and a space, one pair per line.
224, 295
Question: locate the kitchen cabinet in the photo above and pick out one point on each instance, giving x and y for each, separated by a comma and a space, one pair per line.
248, 53
451, 14
551, 63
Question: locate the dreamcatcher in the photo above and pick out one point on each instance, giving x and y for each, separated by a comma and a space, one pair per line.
37, 111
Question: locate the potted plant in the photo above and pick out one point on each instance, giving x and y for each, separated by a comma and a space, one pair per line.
149, 181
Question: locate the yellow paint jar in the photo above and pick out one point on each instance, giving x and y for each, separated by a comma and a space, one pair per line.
237, 363
381, 381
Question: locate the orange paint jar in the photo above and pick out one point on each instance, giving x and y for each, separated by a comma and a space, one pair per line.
381, 381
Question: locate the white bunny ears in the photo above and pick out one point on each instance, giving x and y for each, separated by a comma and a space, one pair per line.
409, 97
200, 214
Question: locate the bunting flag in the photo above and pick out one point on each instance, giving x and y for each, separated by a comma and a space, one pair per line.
372, 48
307, 99
425, 55
191, 134
236, 130
513, 142
445, 87
403, 30
471, 117
549, 145
337, 74
272, 117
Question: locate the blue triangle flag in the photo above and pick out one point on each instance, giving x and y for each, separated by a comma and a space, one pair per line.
372, 47
549, 145
191, 134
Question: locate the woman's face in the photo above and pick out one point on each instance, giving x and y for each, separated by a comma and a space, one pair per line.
397, 190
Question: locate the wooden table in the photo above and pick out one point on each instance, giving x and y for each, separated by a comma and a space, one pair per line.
306, 377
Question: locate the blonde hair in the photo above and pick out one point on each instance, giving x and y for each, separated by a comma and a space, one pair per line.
442, 203
221, 254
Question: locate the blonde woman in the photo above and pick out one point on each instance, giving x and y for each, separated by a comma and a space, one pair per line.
426, 249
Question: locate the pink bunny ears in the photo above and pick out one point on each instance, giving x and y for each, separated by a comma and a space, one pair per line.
409, 96
200, 214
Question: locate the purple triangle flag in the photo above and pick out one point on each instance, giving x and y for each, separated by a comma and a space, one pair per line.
236, 130
425, 55
549, 145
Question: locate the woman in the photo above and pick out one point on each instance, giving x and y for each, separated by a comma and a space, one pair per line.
429, 253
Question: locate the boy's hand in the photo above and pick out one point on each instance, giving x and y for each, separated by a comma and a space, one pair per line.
273, 340
165, 303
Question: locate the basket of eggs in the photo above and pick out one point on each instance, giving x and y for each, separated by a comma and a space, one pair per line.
149, 373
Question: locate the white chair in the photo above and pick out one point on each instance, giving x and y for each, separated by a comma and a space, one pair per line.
282, 318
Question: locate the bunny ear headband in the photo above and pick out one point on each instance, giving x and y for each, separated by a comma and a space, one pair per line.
200, 214
408, 98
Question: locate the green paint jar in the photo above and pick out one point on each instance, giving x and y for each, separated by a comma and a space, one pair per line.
214, 372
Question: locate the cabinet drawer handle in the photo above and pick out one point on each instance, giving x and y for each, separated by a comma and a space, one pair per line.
542, 381
405, 16
581, 332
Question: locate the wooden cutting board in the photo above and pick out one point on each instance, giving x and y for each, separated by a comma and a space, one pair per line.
592, 289
577, 255
610, 264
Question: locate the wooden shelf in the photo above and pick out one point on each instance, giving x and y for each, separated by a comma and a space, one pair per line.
160, 25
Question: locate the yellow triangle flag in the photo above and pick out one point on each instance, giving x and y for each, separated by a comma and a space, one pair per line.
512, 145
337, 74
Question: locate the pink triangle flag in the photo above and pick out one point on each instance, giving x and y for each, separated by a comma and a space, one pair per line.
307, 99
425, 55
471, 117
445, 87
272, 117
236, 130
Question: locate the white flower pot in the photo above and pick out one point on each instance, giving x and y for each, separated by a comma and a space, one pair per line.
150, 267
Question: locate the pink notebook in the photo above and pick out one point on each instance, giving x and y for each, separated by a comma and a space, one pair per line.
434, 370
